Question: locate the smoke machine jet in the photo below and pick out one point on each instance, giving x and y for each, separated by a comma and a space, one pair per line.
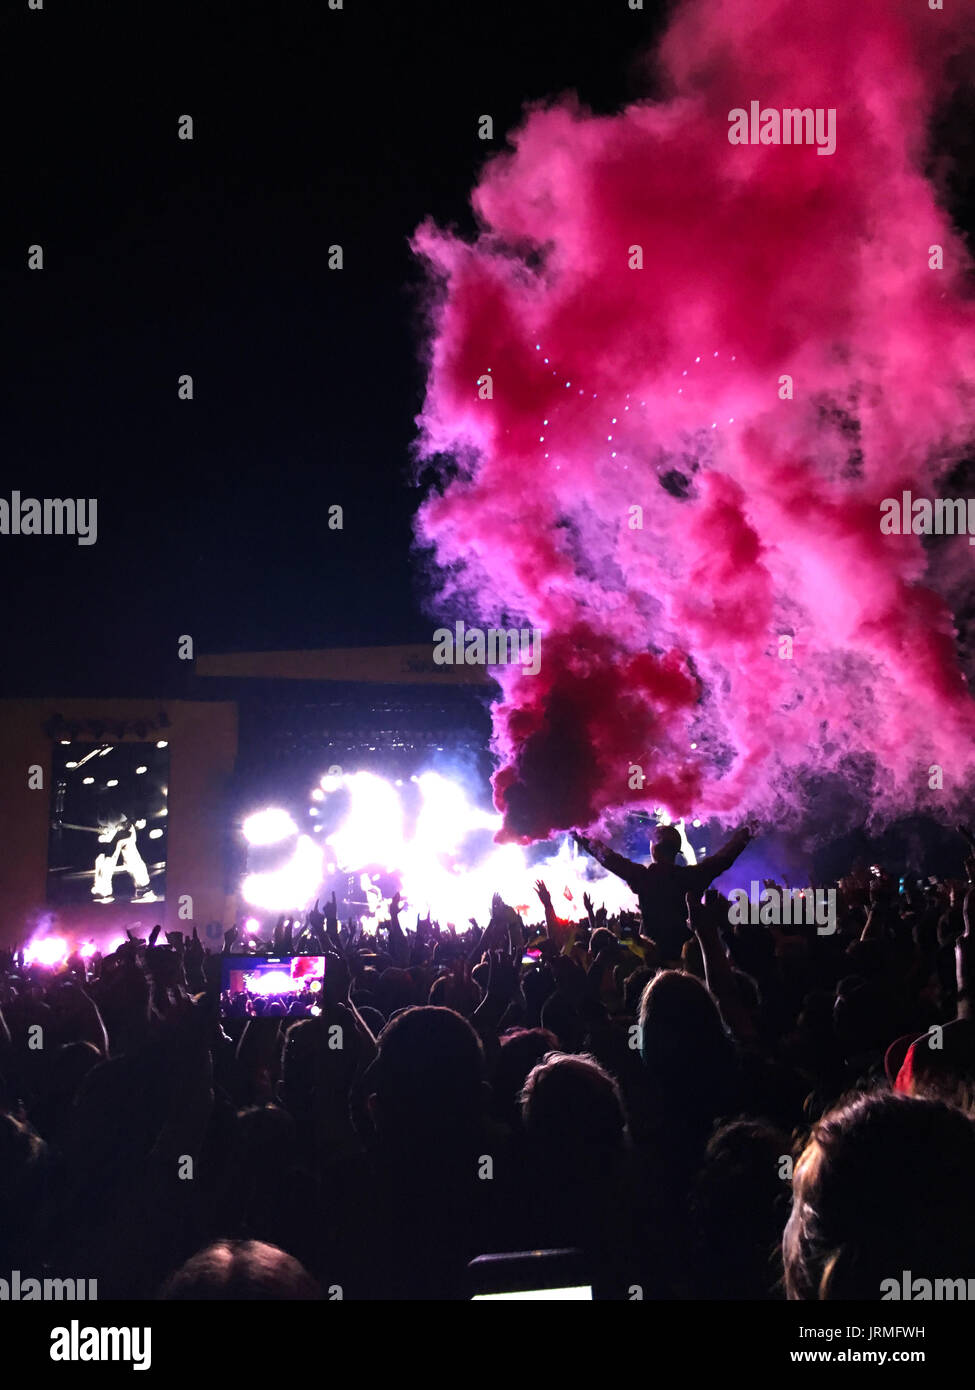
708, 365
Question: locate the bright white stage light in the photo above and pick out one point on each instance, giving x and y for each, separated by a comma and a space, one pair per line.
87, 781
271, 982
439, 870
268, 827
447, 816
87, 950
294, 885
141, 769
317, 794
162, 743
331, 783
155, 834
47, 950
372, 833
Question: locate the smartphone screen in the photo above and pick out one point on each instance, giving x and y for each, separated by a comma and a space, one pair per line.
531, 1275
254, 986
581, 1291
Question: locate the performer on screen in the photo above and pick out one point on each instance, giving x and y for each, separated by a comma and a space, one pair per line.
105, 867
132, 861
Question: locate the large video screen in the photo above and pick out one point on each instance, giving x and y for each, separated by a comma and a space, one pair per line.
108, 823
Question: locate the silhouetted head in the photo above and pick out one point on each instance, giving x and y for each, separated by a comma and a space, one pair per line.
884, 1185
739, 1203
689, 1058
242, 1270
571, 1106
678, 1016
665, 845
428, 1075
520, 1050
395, 990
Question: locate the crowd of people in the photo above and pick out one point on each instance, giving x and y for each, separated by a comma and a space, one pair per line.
300, 1002
698, 1109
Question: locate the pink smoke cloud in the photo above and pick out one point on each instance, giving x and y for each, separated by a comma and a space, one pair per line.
616, 389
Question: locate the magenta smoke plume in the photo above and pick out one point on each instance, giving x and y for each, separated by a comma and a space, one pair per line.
636, 483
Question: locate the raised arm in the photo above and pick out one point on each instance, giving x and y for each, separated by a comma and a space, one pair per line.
617, 864
718, 975
715, 864
559, 932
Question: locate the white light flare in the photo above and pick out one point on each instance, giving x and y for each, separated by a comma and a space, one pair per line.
294, 885
437, 875
271, 982
46, 950
268, 827
372, 832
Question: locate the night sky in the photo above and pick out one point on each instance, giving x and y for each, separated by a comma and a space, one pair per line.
164, 256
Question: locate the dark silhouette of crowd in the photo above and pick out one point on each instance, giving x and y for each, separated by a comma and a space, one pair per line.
774, 1112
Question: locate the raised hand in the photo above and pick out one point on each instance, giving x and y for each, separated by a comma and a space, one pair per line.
194, 950
503, 974
701, 913
332, 916
338, 980
543, 893
458, 992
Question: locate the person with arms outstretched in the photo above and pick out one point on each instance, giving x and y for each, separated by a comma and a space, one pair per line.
662, 886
